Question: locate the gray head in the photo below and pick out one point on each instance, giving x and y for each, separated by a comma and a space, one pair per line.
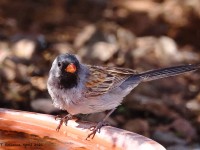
65, 69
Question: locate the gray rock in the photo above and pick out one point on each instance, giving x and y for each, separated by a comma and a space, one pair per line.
167, 138
184, 147
43, 105
24, 48
104, 51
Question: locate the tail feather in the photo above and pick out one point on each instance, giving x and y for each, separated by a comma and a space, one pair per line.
166, 72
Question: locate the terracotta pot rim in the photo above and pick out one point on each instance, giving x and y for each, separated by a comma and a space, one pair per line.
109, 136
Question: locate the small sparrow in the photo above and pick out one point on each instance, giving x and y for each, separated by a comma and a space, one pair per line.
84, 89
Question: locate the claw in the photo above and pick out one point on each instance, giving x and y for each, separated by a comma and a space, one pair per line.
58, 117
96, 129
63, 119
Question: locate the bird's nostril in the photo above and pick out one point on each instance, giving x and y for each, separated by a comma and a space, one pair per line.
59, 64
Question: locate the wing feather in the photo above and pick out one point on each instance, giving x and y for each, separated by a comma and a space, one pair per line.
100, 80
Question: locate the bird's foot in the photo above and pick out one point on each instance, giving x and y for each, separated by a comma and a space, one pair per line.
64, 119
95, 129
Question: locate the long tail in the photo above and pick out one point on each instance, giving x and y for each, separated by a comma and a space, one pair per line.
166, 72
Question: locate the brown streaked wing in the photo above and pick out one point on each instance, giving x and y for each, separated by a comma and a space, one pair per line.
103, 79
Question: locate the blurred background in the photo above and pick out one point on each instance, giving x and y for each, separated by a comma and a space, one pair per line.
137, 34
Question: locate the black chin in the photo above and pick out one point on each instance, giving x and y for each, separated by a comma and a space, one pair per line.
68, 81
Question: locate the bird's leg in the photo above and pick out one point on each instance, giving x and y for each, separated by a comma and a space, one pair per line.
97, 128
63, 120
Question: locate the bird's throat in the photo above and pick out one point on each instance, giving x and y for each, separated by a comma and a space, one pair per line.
68, 82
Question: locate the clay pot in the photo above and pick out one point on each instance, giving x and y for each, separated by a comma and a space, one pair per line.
22, 130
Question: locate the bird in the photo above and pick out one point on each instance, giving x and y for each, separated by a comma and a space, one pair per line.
84, 89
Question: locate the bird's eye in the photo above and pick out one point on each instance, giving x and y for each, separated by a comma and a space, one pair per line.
59, 64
